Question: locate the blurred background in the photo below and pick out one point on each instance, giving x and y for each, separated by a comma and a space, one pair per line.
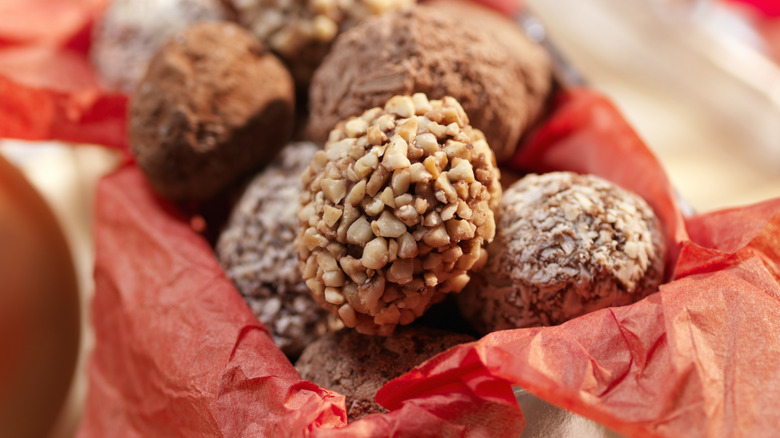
699, 80
696, 78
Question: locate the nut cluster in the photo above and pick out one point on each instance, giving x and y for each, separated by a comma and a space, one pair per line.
305, 29
395, 211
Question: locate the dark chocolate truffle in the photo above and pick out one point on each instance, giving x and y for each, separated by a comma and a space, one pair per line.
129, 33
566, 244
396, 211
301, 32
358, 365
428, 50
256, 251
213, 106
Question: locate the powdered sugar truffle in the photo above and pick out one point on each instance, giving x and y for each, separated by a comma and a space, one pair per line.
256, 251
566, 244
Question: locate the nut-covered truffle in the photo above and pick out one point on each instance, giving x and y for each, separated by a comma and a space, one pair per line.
566, 245
256, 251
213, 105
130, 32
301, 32
357, 365
395, 211
428, 50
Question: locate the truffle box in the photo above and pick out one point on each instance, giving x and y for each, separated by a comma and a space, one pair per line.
588, 286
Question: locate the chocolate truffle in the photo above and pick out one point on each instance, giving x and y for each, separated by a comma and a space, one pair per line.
213, 106
358, 365
301, 32
566, 244
395, 211
130, 32
256, 251
505, 30
429, 50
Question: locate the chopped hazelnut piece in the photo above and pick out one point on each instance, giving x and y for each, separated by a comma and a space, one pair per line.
359, 233
375, 254
388, 226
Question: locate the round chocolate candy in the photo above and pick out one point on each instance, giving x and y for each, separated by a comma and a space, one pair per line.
301, 32
357, 365
130, 32
256, 251
213, 106
566, 244
395, 211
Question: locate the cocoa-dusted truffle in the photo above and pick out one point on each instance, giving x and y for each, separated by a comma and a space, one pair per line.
395, 211
428, 50
130, 32
213, 105
256, 251
301, 32
566, 245
505, 30
358, 365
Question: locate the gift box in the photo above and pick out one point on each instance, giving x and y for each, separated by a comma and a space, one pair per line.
179, 353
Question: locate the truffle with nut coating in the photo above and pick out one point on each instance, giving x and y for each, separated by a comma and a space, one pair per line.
194, 127
395, 212
256, 251
357, 365
566, 244
430, 50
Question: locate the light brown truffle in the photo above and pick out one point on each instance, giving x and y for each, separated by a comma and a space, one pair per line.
428, 50
256, 251
213, 106
566, 245
129, 33
395, 212
301, 32
357, 365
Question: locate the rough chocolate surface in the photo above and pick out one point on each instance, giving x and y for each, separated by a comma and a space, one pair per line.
130, 32
301, 32
503, 29
256, 251
566, 245
395, 212
358, 365
213, 105
429, 50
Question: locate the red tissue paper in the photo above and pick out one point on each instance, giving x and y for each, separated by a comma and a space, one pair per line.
179, 353
48, 88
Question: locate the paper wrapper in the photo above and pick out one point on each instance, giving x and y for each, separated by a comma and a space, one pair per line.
178, 352
767, 8
48, 88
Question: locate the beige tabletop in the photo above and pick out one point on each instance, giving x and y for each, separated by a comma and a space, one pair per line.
694, 84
